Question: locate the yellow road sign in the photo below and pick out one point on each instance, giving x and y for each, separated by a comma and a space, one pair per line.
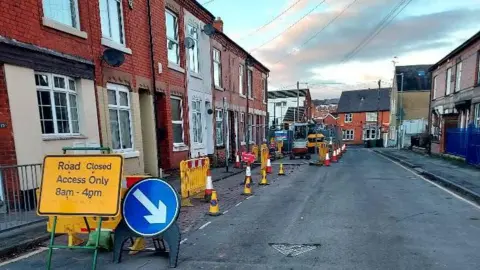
86, 185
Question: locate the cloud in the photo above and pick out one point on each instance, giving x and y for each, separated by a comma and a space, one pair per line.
405, 35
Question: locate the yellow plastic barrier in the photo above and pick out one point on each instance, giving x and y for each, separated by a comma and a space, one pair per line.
193, 173
322, 151
264, 156
279, 146
73, 225
255, 151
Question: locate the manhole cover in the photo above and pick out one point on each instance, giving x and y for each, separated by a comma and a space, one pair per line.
292, 250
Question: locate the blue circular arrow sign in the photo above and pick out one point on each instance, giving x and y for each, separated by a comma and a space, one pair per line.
150, 207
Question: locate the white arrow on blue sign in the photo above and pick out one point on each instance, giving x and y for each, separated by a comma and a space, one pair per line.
150, 207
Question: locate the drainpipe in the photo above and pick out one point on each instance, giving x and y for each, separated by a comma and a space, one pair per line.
154, 84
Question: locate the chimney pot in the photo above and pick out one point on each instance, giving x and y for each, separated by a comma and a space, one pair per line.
218, 24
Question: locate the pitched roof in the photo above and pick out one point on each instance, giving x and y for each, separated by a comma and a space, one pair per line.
364, 100
415, 77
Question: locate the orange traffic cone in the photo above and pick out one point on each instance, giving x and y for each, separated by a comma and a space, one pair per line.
326, 162
269, 166
214, 208
237, 162
247, 188
334, 156
339, 153
208, 187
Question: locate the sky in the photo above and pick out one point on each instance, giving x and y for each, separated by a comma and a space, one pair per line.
312, 40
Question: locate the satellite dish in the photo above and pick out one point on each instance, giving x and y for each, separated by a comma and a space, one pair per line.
114, 58
189, 43
208, 29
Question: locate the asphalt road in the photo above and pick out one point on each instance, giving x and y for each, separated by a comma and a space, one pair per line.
364, 212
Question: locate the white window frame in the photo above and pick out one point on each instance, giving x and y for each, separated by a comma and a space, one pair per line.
448, 89
219, 119
435, 84
122, 30
120, 88
178, 122
348, 117
250, 83
250, 126
371, 117
264, 90
368, 135
218, 62
241, 88
242, 121
197, 130
75, 14
196, 48
172, 40
458, 76
348, 134
52, 90
478, 67
476, 118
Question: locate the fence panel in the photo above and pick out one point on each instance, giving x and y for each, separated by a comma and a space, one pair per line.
193, 173
473, 149
456, 141
18, 199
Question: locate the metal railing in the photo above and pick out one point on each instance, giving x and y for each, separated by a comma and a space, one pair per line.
18, 199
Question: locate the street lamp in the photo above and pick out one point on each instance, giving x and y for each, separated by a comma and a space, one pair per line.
400, 111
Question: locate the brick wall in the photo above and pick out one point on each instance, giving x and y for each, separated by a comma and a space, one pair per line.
7, 144
357, 123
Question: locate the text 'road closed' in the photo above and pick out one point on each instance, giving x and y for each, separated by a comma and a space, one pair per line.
81, 185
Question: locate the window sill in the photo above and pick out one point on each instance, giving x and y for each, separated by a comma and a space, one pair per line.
176, 67
196, 75
128, 154
250, 98
220, 146
180, 147
243, 143
243, 96
58, 137
219, 88
64, 28
114, 45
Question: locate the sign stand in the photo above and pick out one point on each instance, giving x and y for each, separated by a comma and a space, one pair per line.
99, 217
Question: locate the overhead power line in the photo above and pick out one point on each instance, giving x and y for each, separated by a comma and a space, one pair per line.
208, 2
319, 32
379, 28
290, 27
271, 21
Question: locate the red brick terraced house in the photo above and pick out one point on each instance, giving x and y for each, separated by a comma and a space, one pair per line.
364, 115
455, 100
116, 73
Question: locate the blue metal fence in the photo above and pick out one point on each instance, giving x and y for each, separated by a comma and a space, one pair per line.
464, 143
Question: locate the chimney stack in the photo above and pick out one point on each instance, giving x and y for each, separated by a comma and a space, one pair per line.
218, 24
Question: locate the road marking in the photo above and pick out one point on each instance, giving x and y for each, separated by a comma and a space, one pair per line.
248, 198
226, 211
183, 241
238, 204
433, 183
204, 225
30, 254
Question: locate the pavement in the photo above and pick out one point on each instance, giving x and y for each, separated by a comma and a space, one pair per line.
364, 212
453, 174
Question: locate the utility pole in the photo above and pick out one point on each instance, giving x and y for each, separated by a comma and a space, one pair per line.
400, 112
378, 109
295, 115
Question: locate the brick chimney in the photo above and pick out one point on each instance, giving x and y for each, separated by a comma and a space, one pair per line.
218, 24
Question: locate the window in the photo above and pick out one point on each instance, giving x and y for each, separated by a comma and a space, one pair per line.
242, 127
57, 104
177, 120
171, 22
197, 121
111, 16
241, 68
476, 119
458, 77
120, 117
370, 134
250, 127
192, 32
219, 127
249, 82
434, 95
348, 135
371, 116
478, 68
217, 68
449, 81
62, 11
348, 118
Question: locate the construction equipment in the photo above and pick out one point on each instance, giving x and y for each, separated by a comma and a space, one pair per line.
299, 147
